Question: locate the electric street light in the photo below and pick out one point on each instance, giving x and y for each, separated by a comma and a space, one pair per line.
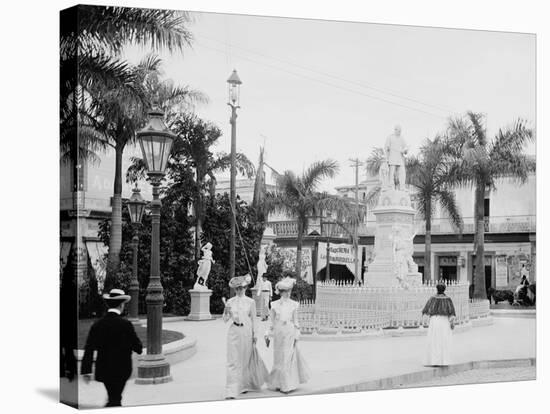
156, 141
136, 207
234, 86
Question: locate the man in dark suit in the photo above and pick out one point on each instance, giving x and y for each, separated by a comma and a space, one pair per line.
114, 338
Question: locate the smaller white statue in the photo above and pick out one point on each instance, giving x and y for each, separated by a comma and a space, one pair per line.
402, 247
262, 268
205, 263
384, 174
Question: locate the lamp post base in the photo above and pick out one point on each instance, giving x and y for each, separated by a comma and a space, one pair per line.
153, 369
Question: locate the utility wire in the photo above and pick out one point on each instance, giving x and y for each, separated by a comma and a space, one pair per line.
329, 84
329, 75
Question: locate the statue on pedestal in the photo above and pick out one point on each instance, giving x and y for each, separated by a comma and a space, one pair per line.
395, 154
402, 246
205, 263
384, 174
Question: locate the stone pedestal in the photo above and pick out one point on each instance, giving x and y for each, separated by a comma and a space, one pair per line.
200, 305
394, 224
258, 300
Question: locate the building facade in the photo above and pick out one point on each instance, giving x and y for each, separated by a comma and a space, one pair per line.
510, 235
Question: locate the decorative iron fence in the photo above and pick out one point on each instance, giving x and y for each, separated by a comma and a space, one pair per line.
351, 308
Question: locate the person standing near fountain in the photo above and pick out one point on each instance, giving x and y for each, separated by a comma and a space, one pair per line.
442, 314
289, 368
395, 155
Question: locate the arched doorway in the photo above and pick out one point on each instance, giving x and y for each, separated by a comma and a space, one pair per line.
338, 272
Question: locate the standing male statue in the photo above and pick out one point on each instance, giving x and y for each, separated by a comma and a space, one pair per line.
395, 154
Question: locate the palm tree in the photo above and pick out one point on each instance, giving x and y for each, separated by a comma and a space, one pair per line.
298, 197
91, 40
120, 113
483, 162
431, 177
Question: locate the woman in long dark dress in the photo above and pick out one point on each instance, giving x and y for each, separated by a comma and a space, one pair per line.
441, 312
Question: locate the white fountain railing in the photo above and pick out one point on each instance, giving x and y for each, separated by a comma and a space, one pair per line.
348, 307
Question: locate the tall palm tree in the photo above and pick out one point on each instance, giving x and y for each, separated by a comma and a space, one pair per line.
120, 113
431, 177
91, 40
298, 197
483, 161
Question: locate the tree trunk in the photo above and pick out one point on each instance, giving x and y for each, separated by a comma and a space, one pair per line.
115, 241
299, 249
480, 291
198, 206
428, 244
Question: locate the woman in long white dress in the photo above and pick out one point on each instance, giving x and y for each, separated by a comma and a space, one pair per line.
289, 367
441, 312
245, 370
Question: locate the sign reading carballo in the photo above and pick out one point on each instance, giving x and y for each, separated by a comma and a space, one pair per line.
339, 254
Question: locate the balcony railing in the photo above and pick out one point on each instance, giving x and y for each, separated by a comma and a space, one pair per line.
495, 224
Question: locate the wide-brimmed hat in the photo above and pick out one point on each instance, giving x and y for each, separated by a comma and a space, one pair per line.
116, 296
285, 284
240, 281
207, 246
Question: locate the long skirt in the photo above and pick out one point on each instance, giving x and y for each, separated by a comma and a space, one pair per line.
289, 367
239, 351
439, 341
204, 268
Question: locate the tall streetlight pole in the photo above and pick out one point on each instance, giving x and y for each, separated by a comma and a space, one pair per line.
136, 207
156, 142
356, 164
234, 83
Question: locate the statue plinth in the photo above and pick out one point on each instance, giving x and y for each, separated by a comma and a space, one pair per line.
200, 305
393, 245
259, 301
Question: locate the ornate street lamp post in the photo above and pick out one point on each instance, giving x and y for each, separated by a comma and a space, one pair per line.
136, 207
234, 83
156, 142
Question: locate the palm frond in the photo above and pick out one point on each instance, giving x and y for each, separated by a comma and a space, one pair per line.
375, 160
316, 172
447, 200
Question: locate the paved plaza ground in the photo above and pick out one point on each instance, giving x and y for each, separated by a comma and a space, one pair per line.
477, 376
334, 364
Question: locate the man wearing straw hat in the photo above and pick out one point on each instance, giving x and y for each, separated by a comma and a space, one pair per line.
114, 338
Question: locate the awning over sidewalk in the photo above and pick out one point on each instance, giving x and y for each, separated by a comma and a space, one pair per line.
97, 252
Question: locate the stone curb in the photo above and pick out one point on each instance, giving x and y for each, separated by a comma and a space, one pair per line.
175, 351
390, 333
512, 313
408, 380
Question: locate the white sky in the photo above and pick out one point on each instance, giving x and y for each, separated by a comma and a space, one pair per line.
320, 89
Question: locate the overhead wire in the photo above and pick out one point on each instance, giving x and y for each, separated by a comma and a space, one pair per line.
327, 83
333, 76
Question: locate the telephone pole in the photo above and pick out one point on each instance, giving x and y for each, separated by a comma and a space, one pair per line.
356, 164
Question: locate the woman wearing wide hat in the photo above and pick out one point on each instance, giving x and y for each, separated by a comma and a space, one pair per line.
245, 370
289, 367
441, 312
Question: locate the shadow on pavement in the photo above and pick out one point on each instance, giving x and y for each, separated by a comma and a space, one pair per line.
51, 393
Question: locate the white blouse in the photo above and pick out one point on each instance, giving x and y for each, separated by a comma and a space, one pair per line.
243, 310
